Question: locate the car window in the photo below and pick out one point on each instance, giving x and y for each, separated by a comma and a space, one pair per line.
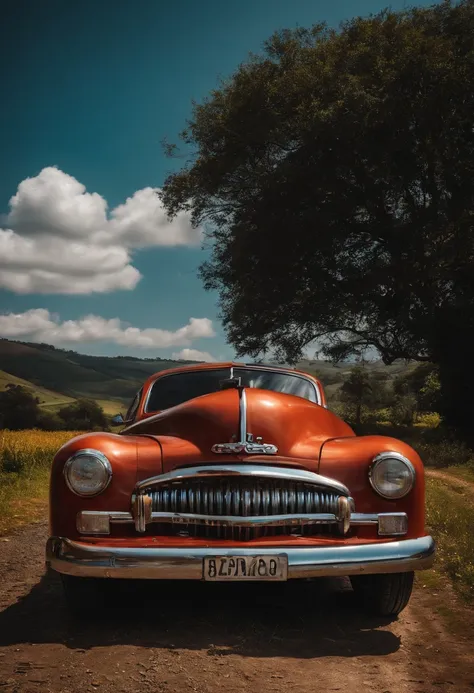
133, 408
172, 390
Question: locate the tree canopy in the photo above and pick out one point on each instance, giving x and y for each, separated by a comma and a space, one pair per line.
334, 174
18, 408
83, 415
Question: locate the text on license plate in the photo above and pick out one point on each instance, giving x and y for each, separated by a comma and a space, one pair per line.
246, 567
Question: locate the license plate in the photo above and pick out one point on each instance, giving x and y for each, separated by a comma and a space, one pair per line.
246, 567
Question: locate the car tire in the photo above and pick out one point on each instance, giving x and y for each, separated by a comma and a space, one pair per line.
384, 595
83, 595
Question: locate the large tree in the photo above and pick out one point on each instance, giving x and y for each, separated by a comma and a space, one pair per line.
335, 174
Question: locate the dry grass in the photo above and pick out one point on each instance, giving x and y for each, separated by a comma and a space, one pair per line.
466, 473
25, 461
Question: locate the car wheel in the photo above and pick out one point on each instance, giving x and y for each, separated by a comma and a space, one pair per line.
83, 595
384, 595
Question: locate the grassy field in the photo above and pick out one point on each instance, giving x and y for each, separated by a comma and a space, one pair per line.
47, 398
25, 461
450, 517
53, 401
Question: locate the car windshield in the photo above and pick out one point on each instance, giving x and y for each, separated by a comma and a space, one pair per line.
171, 390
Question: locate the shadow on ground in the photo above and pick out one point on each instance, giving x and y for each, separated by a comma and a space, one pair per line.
297, 619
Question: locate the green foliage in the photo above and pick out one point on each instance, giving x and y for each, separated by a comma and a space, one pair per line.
50, 421
83, 415
358, 145
423, 384
430, 394
445, 453
428, 419
18, 408
361, 391
402, 412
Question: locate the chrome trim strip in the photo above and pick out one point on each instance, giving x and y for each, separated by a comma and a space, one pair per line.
356, 519
242, 414
364, 518
250, 470
246, 521
88, 560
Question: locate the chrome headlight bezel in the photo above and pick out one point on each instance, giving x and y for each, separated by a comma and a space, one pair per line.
382, 458
101, 458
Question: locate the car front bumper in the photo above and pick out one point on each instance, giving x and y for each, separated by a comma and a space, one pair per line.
88, 560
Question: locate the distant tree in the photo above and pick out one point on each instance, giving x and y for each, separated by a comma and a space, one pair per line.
335, 175
403, 410
49, 421
429, 397
362, 389
83, 415
18, 408
423, 384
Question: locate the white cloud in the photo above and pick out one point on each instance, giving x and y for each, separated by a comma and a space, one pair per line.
40, 325
60, 239
193, 355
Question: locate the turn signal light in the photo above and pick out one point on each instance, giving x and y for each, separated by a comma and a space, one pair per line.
89, 522
393, 524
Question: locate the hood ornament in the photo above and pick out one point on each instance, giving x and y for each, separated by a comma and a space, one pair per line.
249, 448
246, 443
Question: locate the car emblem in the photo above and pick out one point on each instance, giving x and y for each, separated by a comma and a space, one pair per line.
248, 447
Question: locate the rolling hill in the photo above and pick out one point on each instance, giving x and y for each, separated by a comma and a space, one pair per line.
57, 376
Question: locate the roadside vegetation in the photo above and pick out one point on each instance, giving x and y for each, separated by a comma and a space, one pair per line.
25, 461
450, 517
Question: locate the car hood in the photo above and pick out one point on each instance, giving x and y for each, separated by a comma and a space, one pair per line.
296, 427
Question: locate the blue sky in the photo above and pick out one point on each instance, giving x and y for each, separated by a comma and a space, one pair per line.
91, 88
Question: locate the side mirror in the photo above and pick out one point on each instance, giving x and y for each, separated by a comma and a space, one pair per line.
117, 420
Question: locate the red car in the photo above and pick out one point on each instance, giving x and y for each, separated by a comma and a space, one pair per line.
238, 472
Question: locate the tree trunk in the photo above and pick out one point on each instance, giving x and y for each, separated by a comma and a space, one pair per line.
358, 413
454, 354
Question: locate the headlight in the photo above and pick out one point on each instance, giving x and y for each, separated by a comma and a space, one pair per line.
88, 472
392, 475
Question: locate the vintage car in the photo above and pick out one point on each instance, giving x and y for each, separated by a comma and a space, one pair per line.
238, 472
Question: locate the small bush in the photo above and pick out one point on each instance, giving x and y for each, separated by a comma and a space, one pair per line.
445, 453
402, 412
383, 415
428, 419
12, 462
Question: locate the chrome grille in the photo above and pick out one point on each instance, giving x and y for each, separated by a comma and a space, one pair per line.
242, 498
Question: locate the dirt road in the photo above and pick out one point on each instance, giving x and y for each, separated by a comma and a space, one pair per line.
455, 482
295, 637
